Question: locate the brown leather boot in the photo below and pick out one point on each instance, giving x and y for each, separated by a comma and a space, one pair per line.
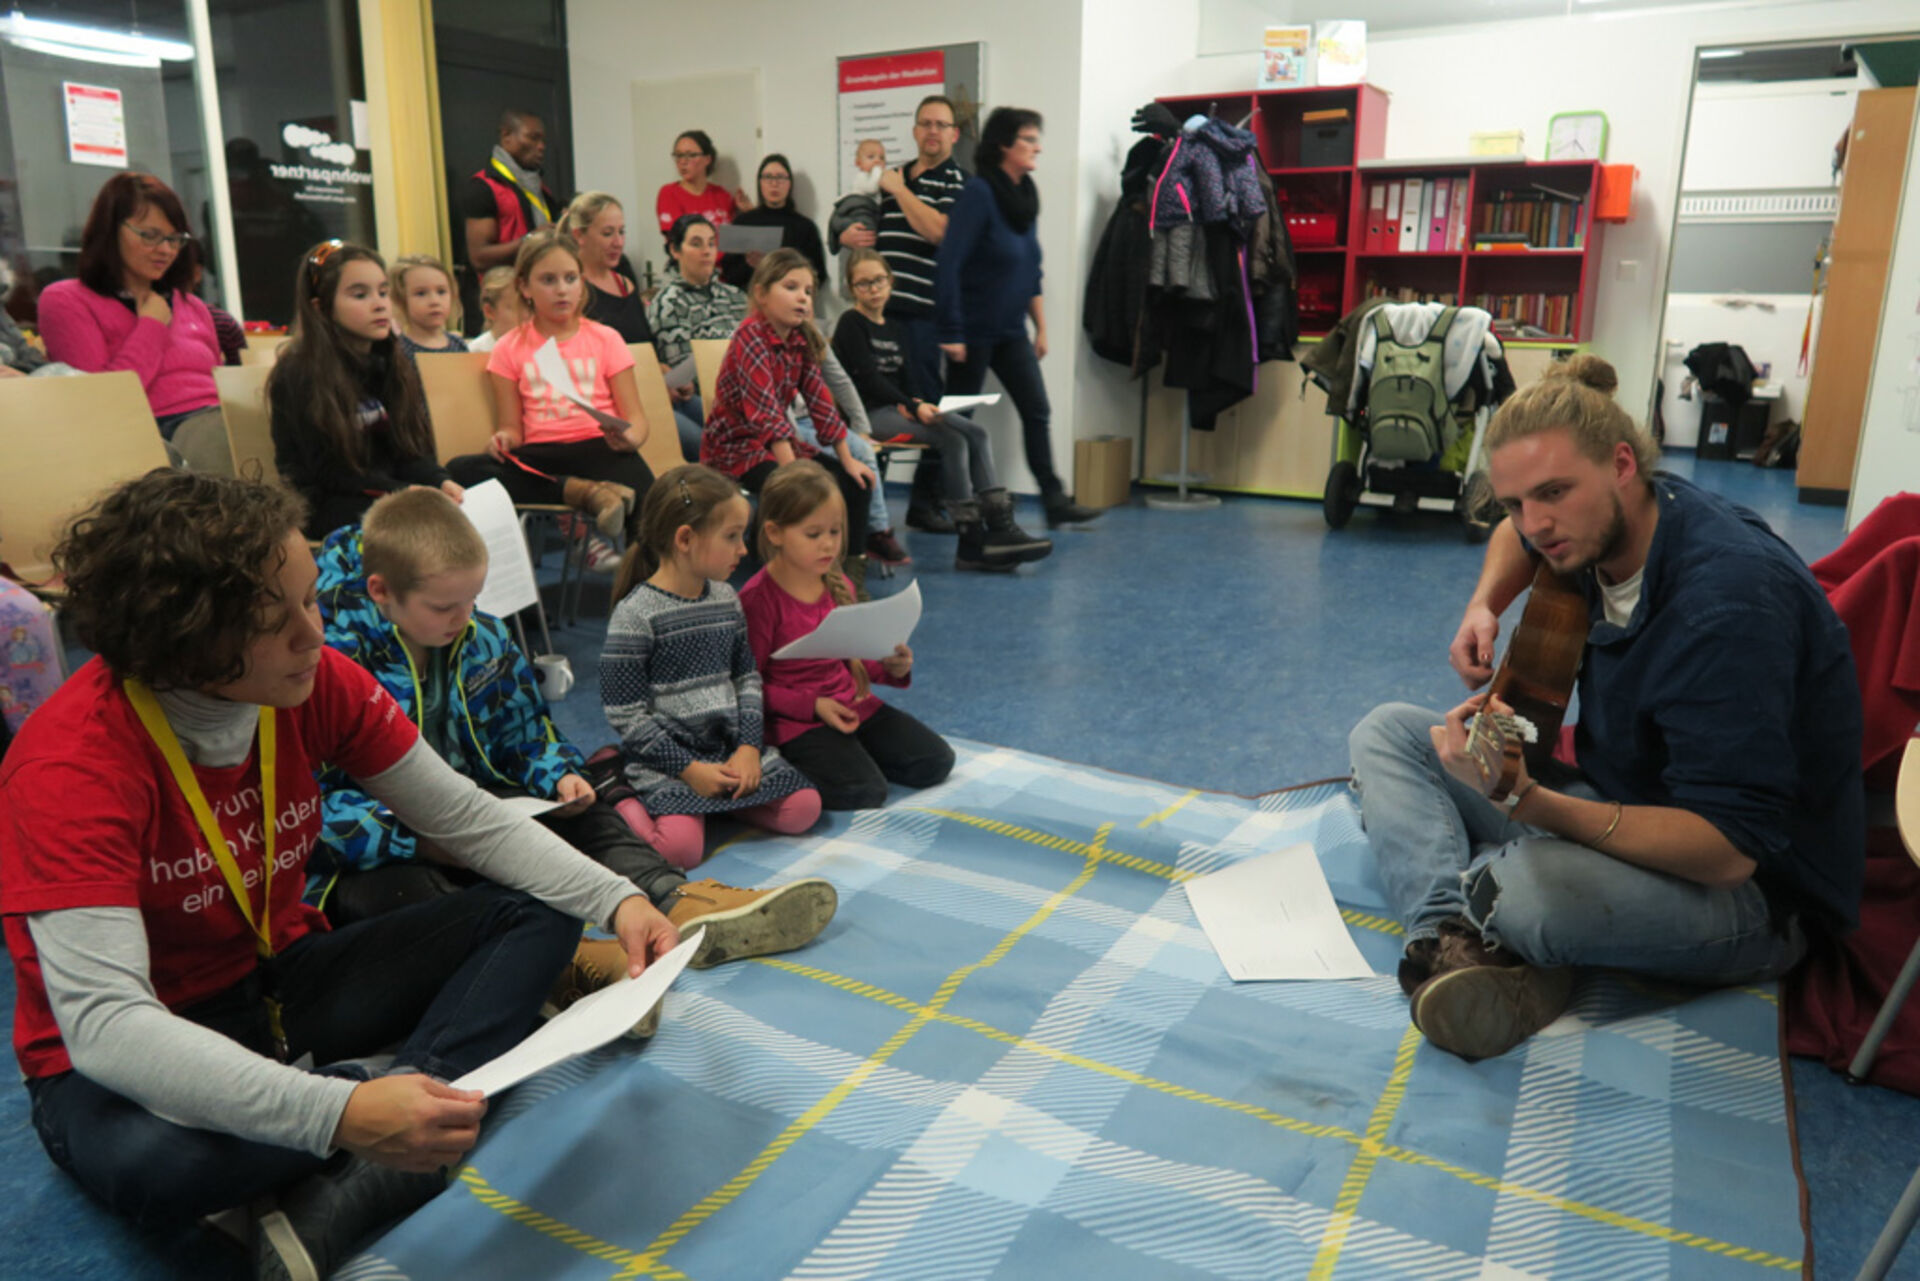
608, 503
1481, 1000
596, 963
742, 923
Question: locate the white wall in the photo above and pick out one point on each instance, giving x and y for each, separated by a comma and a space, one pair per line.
1637, 67
1889, 457
1799, 120
1032, 59
1768, 336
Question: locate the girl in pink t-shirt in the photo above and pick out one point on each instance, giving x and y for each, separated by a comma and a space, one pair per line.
821, 712
546, 448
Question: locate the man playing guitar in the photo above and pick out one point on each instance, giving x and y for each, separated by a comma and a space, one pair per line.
1715, 818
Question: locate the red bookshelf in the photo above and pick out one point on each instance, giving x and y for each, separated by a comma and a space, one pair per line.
1325, 168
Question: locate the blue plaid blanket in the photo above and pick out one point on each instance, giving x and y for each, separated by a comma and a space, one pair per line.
1014, 1054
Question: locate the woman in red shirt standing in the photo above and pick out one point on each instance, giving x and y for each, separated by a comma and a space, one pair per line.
159, 814
694, 192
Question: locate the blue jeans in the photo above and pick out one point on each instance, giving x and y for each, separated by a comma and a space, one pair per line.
1013, 361
688, 415
455, 981
1445, 851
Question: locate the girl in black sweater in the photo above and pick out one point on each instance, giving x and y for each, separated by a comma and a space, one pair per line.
349, 418
875, 358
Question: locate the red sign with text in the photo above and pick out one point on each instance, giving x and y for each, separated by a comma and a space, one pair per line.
894, 71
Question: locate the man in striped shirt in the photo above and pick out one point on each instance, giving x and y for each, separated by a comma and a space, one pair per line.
913, 218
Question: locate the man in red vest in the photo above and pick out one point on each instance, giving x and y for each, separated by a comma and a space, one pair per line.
506, 199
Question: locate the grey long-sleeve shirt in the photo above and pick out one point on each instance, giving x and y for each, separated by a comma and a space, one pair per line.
94, 960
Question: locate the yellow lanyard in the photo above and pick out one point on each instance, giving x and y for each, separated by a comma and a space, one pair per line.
534, 196
148, 708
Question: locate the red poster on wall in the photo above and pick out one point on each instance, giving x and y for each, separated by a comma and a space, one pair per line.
877, 98
96, 125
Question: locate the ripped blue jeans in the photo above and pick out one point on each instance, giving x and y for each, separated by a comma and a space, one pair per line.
1445, 851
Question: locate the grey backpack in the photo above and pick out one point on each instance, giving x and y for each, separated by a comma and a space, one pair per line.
1407, 411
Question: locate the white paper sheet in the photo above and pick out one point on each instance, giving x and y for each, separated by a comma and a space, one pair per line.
735, 239
587, 1024
682, 374
869, 630
531, 806
960, 404
510, 585
1273, 917
552, 368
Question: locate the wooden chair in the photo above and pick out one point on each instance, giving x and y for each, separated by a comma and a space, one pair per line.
1906, 807
262, 349
707, 355
243, 404
662, 450
64, 441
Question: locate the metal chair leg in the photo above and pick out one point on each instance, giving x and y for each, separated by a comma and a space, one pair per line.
1883, 1021
1894, 1234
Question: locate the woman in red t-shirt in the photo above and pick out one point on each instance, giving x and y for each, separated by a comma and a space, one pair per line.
694, 192
161, 807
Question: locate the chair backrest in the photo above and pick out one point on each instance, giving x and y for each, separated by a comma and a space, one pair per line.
262, 349
243, 403
62, 442
1906, 800
707, 355
459, 400
662, 450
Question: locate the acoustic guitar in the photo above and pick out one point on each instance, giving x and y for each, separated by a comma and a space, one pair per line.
1535, 680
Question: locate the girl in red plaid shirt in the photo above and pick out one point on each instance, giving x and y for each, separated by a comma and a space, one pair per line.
772, 358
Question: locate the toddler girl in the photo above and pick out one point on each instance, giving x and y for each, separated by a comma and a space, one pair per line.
427, 300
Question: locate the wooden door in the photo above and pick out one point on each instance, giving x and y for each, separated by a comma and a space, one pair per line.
1856, 285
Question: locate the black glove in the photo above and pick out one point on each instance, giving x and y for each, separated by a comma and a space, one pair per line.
1157, 119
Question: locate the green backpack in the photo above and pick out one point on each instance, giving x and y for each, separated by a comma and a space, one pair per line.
1407, 410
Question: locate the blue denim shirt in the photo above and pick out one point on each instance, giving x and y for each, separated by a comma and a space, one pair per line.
1731, 693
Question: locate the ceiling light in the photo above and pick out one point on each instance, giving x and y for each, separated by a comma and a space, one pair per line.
1723, 53
19, 28
81, 53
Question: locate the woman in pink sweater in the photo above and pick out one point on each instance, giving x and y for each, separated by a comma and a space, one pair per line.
132, 308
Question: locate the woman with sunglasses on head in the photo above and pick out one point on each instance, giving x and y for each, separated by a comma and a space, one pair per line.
797, 231
349, 418
132, 308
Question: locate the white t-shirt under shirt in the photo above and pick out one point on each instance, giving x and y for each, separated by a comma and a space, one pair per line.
1619, 599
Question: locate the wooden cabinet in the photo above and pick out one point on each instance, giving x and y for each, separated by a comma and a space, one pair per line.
1856, 283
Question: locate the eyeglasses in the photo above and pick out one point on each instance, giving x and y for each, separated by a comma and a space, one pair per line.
150, 238
688, 155
776, 177
935, 126
869, 283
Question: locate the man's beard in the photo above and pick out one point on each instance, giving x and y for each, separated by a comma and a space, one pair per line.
1611, 543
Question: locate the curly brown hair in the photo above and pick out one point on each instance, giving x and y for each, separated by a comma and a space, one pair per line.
170, 576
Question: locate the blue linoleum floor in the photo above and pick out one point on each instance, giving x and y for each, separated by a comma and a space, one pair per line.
1228, 649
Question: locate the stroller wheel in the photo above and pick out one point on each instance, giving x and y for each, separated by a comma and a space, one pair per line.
1343, 494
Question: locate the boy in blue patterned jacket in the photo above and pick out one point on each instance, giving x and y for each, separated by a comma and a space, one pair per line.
398, 597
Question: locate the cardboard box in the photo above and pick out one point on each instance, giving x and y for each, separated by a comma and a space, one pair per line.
1102, 470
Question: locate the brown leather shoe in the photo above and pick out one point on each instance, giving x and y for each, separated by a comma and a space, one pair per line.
742, 923
1482, 1011
596, 963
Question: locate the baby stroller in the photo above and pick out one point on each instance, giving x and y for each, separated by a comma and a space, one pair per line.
1425, 380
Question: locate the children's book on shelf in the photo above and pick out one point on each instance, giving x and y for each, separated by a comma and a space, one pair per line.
1285, 58
1340, 52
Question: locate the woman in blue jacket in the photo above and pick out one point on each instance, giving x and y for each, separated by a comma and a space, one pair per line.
988, 283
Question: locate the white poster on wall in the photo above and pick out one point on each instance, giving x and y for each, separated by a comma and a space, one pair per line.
877, 99
96, 125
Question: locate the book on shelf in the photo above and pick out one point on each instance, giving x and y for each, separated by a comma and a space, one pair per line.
1325, 116
1546, 219
1410, 198
1436, 223
1407, 293
1285, 58
1457, 217
1549, 315
1390, 234
1376, 218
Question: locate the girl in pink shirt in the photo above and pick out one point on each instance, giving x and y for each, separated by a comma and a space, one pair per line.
546, 448
821, 712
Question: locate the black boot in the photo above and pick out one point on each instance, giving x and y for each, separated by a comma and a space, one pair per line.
923, 500
328, 1217
1005, 539
972, 553
1062, 510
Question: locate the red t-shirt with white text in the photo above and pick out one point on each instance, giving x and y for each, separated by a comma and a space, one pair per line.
90, 816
